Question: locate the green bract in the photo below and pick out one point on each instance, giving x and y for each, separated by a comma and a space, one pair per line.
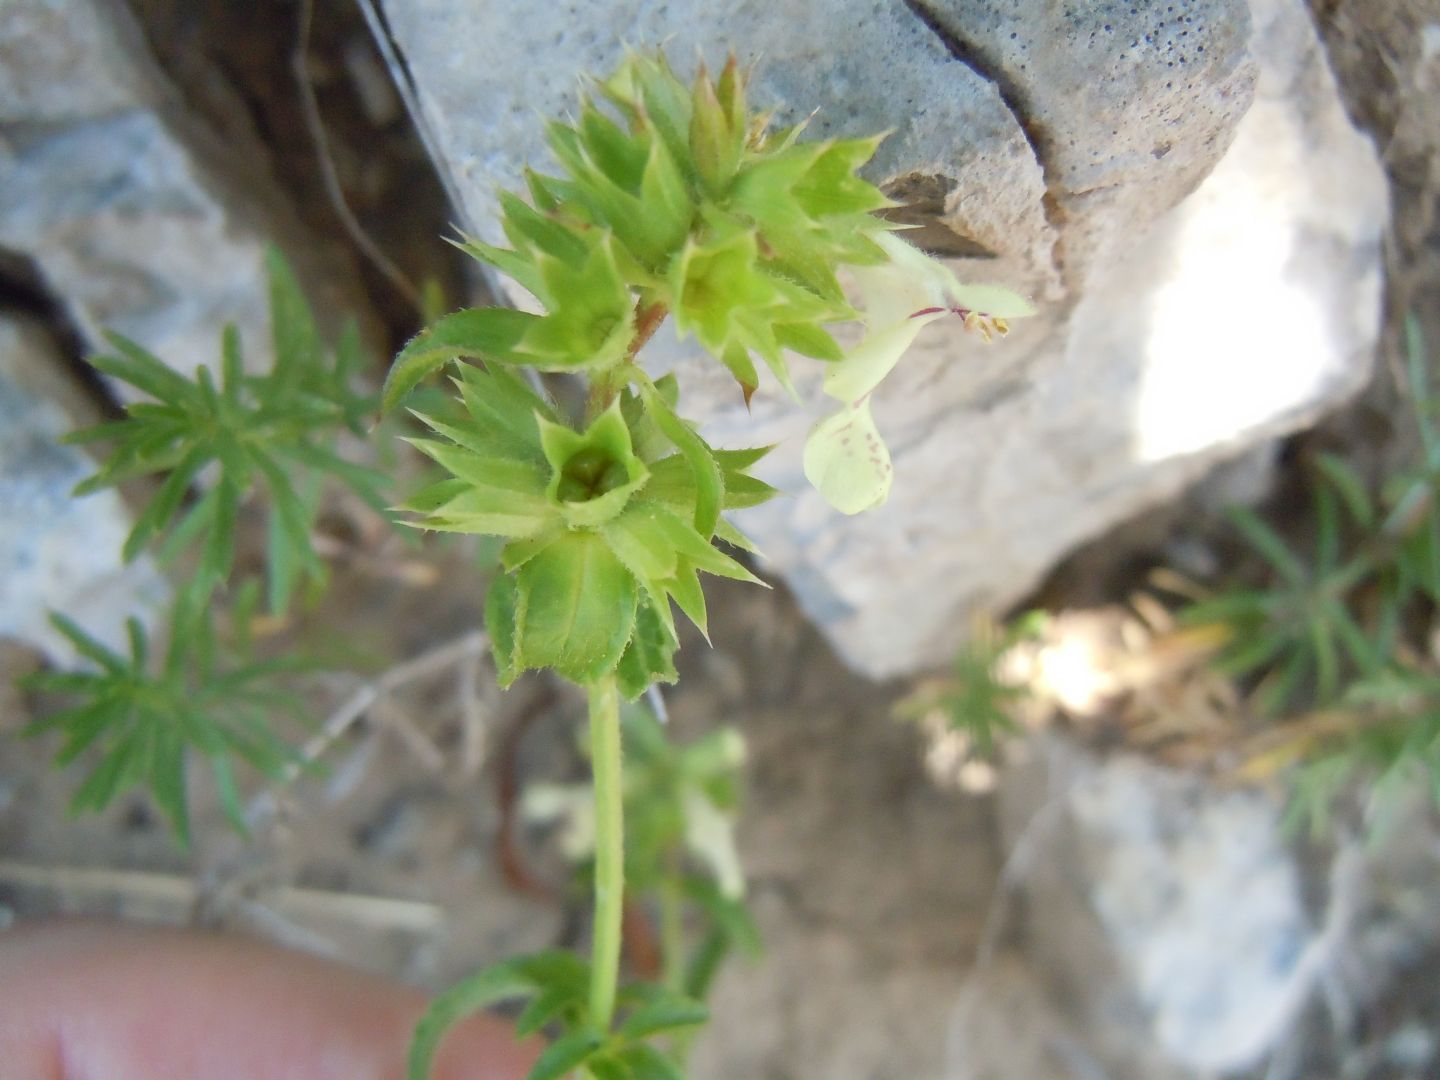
672, 198
606, 526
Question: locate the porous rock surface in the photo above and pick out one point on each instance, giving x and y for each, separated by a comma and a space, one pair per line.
1128, 104
1061, 141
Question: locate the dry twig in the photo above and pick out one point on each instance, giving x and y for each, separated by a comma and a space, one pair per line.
426, 665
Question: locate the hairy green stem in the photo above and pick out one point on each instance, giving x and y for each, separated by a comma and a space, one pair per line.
609, 849
606, 385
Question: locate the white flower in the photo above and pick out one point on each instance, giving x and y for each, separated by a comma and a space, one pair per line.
710, 837
845, 458
847, 461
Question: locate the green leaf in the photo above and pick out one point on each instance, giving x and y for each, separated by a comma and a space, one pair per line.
1268, 543
229, 793
808, 340
532, 231
644, 546
162, 507
232, 364
1247, 655
1281, 685
669, 212
288, 550
501, 604
685, 589
647, 1063
736, 358
83, 726
699, 551
709, 482
715, 144
566, 1054
575, 609
101, 784
1416, 367
1350, 487
734, 537
1326, 658
292, 326
86, 645
144, 371
525, 478
555, 967
479, 333
470, 995
543, 1008
167, 773
219, 553
593, 325
282, 569
605, 1068
704, 962
664, 1014
743, 490
650, 656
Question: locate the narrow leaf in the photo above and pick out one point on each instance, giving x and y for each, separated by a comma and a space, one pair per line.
709, 481
480, 333
565, 1054
470, 995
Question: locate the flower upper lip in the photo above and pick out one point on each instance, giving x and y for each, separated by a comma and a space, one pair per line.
900, 297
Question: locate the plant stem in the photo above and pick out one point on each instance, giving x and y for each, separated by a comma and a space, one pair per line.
605, 386
648, 318
609, 849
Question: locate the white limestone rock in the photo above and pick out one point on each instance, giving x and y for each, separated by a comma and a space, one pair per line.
138, 217
57, 553
1155, 901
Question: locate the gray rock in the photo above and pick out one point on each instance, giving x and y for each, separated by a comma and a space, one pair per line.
1172, 337
62, 61
1128, 104
138, 217
125, 230
1154, 900
57, 553
1007, 1025
1169, 928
